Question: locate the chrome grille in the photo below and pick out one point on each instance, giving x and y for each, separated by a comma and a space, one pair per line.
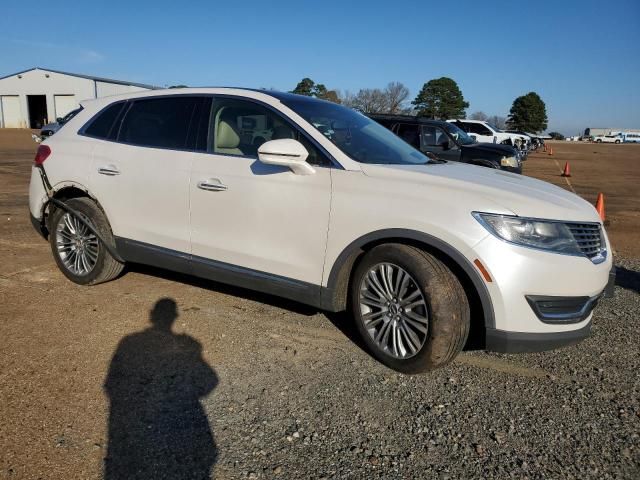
588, 236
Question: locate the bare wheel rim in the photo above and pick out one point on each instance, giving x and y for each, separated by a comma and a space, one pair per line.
78, 248
393, 310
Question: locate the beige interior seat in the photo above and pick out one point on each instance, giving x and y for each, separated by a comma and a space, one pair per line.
227, 138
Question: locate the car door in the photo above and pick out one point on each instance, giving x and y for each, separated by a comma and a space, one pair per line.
141, 173
251, 223
436, 141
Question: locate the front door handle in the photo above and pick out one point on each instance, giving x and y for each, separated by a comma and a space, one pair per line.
109, 170
212, 185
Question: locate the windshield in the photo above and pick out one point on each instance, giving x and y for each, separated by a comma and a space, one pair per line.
356, 135
459, 135
493, 127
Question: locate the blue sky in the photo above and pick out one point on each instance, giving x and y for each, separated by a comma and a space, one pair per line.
582, 57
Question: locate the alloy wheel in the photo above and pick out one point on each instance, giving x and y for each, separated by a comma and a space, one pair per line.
78, 248
393, 310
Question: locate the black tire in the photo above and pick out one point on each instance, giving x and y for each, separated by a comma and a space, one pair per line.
106, 267
446, 301
598, 141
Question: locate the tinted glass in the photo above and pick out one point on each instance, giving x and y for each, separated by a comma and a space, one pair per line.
478, 129
434, 136
240, 127
458, 134
101, 124
359, 137
158, 122
410, 134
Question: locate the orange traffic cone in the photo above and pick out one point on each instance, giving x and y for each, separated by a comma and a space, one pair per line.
600, 206
550, 151
544, 147
567, 171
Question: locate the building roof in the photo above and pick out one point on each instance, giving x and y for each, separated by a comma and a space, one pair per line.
88, 77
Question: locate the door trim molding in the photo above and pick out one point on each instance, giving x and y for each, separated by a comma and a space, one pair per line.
147, 254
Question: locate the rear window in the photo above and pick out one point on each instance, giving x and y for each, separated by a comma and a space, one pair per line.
159, 122
101, 125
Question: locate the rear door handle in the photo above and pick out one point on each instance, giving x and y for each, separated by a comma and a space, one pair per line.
109, 170
212, 185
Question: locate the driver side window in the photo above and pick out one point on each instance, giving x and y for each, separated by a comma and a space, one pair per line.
434, 136
240, 127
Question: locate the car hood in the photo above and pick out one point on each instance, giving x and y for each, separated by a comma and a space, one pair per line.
493, 190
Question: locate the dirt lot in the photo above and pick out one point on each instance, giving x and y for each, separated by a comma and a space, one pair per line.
250, 386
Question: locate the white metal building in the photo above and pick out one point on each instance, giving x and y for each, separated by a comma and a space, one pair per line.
34, 97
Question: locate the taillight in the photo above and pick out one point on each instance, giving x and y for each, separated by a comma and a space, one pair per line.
42, 154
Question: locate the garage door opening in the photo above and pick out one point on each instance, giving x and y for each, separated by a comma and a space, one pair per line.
37, 110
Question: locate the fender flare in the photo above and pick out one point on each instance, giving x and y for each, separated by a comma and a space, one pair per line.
335, 290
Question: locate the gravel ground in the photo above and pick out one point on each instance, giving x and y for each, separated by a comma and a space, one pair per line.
334, 413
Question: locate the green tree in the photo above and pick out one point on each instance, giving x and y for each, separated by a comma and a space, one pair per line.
309, 88
556, 135
441, 98
304, 87
179, 86
528, 113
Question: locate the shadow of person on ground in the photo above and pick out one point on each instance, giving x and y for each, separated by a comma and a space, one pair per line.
157, 427
629, 279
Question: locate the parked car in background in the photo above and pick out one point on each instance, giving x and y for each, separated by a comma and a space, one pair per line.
485, 132
446, 141
51, 128
617, 138
334, 211
533, 141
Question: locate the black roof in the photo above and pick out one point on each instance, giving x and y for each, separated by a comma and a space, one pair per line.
405, 118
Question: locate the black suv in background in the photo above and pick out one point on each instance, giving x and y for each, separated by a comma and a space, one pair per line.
446, 141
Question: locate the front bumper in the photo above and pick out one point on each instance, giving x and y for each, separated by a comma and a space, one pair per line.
518, 272
521, 342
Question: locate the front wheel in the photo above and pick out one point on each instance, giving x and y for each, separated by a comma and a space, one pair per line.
77, 251
410, 309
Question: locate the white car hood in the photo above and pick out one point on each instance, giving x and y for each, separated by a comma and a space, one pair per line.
518, 194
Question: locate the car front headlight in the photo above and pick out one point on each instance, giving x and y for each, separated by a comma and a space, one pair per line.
531, 232
509, 162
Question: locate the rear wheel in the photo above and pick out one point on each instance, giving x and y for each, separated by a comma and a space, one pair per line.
410, 309
77, 251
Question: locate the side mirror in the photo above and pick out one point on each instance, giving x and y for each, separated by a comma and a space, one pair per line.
447, 145
286, 152
59, 119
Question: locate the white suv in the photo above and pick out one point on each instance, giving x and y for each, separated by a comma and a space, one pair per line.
333, 210
485, 132
617, 138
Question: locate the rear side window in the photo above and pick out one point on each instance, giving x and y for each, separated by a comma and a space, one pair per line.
101, 125
159, 122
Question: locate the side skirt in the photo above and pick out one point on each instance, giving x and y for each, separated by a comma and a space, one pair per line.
144, 253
